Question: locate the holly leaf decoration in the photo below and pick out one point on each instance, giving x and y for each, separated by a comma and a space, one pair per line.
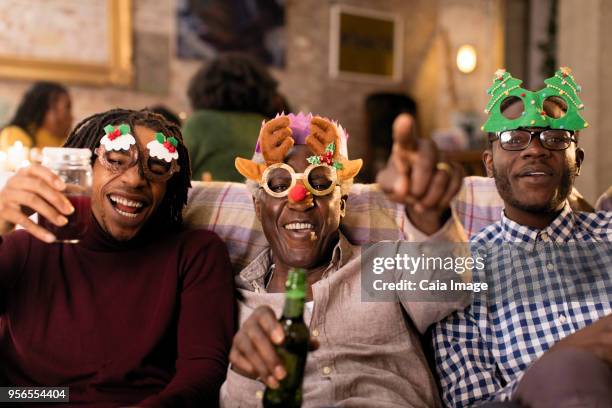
160, 137
173, 141
124, 129
109, 129
314, 160
337, 165
330, 148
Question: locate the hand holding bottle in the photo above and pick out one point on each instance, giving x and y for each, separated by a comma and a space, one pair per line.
253, 354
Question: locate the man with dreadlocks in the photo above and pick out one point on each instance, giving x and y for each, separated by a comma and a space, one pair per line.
121, 317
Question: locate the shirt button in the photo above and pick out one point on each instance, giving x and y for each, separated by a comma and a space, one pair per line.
562, 318
326, 370
550, 267
315, 333
259, 394
543, 236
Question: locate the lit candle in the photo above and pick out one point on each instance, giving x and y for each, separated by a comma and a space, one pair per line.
16, 156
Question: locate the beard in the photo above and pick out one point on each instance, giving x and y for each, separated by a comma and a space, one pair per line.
511, 197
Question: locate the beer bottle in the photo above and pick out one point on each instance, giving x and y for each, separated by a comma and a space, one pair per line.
294, 349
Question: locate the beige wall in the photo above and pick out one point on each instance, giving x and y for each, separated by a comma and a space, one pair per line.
585, 29
427, 69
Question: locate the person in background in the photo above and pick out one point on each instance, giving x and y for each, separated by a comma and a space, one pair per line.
280, 105
604, 202
168, 114
43, 117
230, 97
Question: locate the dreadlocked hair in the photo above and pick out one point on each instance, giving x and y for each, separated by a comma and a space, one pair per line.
234, 82
34, 105
89, 131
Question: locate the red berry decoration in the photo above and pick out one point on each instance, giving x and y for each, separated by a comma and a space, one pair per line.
523, 94
114, 134
298, 193
327, 157
169, 146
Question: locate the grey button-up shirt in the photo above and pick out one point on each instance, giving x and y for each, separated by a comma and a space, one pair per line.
369, 354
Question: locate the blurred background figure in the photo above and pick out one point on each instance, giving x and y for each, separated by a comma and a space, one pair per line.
167, 113
604, 202
230, 97
381, 109
43, 117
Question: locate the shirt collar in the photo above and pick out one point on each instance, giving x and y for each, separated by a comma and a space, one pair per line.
252, 277
559, 230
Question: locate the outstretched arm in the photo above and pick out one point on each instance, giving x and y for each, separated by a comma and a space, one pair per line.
416, 177
32, 189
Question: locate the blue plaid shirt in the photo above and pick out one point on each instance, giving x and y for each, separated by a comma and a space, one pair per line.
482, 352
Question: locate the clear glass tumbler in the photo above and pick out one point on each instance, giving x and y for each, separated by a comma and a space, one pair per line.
74, 167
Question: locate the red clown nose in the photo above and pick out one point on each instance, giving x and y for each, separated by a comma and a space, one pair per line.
297, 193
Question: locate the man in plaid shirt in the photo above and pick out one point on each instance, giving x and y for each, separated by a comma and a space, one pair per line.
547, 287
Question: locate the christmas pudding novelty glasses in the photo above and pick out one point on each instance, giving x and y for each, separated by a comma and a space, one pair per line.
118, 151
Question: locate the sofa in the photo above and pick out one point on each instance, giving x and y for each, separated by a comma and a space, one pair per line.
227, 209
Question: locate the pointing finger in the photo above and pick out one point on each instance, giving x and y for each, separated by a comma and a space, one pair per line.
404, 134
423, 167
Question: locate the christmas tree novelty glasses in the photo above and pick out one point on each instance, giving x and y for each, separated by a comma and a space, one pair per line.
560, 90
119, 161
279, 178
520, 139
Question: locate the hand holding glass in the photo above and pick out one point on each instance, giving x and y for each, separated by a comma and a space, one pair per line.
74, 167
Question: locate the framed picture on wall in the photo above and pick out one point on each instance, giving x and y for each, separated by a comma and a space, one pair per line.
70, 41
365, 44
207, 28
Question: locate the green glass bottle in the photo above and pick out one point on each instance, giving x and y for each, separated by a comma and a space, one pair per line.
294, 350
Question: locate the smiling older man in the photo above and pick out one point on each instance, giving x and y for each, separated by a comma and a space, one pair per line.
368, 354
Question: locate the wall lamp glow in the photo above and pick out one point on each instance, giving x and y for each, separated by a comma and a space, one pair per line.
466, 58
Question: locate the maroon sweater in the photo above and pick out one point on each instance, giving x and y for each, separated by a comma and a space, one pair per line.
148, 322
